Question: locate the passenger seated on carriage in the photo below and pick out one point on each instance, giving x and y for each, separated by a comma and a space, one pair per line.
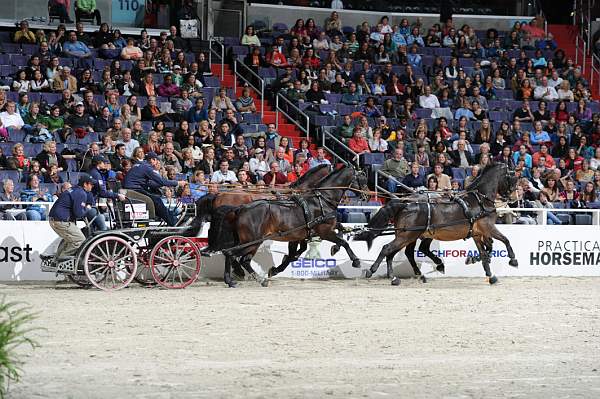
143, 182
99, 172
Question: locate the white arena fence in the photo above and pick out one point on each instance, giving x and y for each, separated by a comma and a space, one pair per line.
541, 250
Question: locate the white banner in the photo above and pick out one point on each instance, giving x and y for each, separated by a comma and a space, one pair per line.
540, 251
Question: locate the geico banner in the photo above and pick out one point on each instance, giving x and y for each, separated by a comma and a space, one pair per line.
540, 250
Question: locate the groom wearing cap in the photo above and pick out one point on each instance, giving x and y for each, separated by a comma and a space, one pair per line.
71, 206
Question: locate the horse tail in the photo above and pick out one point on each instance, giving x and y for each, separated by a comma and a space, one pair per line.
379, 221
222, 233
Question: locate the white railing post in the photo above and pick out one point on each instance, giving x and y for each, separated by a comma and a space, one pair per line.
262, 99
277, 111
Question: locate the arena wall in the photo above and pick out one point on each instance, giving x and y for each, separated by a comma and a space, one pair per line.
540, 250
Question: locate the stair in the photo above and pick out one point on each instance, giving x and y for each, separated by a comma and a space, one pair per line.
565, 36
286, 128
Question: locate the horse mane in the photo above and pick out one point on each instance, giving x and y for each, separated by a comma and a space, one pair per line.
333, 175
479, 179
309, 174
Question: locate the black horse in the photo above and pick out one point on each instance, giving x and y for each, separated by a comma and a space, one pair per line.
472, 214
239, 232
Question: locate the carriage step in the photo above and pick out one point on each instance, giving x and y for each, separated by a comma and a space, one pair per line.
66, 266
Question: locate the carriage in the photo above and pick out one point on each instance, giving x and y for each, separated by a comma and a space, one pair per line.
137, 248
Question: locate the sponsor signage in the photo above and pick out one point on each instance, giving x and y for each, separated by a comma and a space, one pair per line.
540, 251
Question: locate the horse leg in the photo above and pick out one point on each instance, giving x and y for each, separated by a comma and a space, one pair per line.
294, 254
409, 251
227, 274
425, 248
245, 261
495, 233
237, 268
336, 248
485, 259
388, 249
333, 237
389, 259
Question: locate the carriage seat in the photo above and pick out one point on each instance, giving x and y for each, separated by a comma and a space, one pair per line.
134, 195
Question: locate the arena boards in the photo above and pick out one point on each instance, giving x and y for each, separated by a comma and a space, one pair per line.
540, 250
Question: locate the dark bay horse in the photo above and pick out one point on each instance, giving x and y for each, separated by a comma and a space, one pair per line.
239, 232
206, 206
473, 214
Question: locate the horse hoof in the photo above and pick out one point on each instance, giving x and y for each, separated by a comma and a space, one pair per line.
335, 249
423, 279
441, 268
469, 260
356, 263
493, 280
513, 263
232, 285
265, 282
368, 273
396, 281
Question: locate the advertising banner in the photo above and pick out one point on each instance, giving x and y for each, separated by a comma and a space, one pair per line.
540, 251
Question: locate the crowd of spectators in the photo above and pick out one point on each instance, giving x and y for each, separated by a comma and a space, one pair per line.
432, 121
197, 137
438, 115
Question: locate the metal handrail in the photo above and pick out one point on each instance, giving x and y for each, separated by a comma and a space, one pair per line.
388, 176
261, 80
595, 69
337, 156
583, 52
541, 212
278, 109
212, 40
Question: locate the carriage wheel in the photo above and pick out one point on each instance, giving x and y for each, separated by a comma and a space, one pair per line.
175, 262
144, 272
110, 263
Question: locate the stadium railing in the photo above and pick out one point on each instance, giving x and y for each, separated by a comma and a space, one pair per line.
280, 103
237, 66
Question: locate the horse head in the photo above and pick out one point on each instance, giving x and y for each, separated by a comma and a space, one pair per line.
507, 183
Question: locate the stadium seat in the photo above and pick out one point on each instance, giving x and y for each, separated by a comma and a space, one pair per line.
356, 217
583, 219
565, 218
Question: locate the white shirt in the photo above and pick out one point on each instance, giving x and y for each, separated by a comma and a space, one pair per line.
430, 101
337, 5
220, 177
129, 146
554, 83
545, 93
11, 120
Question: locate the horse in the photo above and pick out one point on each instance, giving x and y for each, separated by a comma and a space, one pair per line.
240, 231
206, 206
471, 214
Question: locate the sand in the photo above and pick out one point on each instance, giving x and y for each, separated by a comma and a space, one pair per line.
454, 338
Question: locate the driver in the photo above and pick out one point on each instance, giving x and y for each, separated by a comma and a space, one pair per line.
144, 178
71, 206
100, 167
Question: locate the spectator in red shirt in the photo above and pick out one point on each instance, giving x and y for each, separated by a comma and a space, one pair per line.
573, 161
296, 172
358, 143
274, 177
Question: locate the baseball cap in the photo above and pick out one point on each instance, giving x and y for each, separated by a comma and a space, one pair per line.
99, 158
151, 155
79, 103
86, 179
177, 67
258, 151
